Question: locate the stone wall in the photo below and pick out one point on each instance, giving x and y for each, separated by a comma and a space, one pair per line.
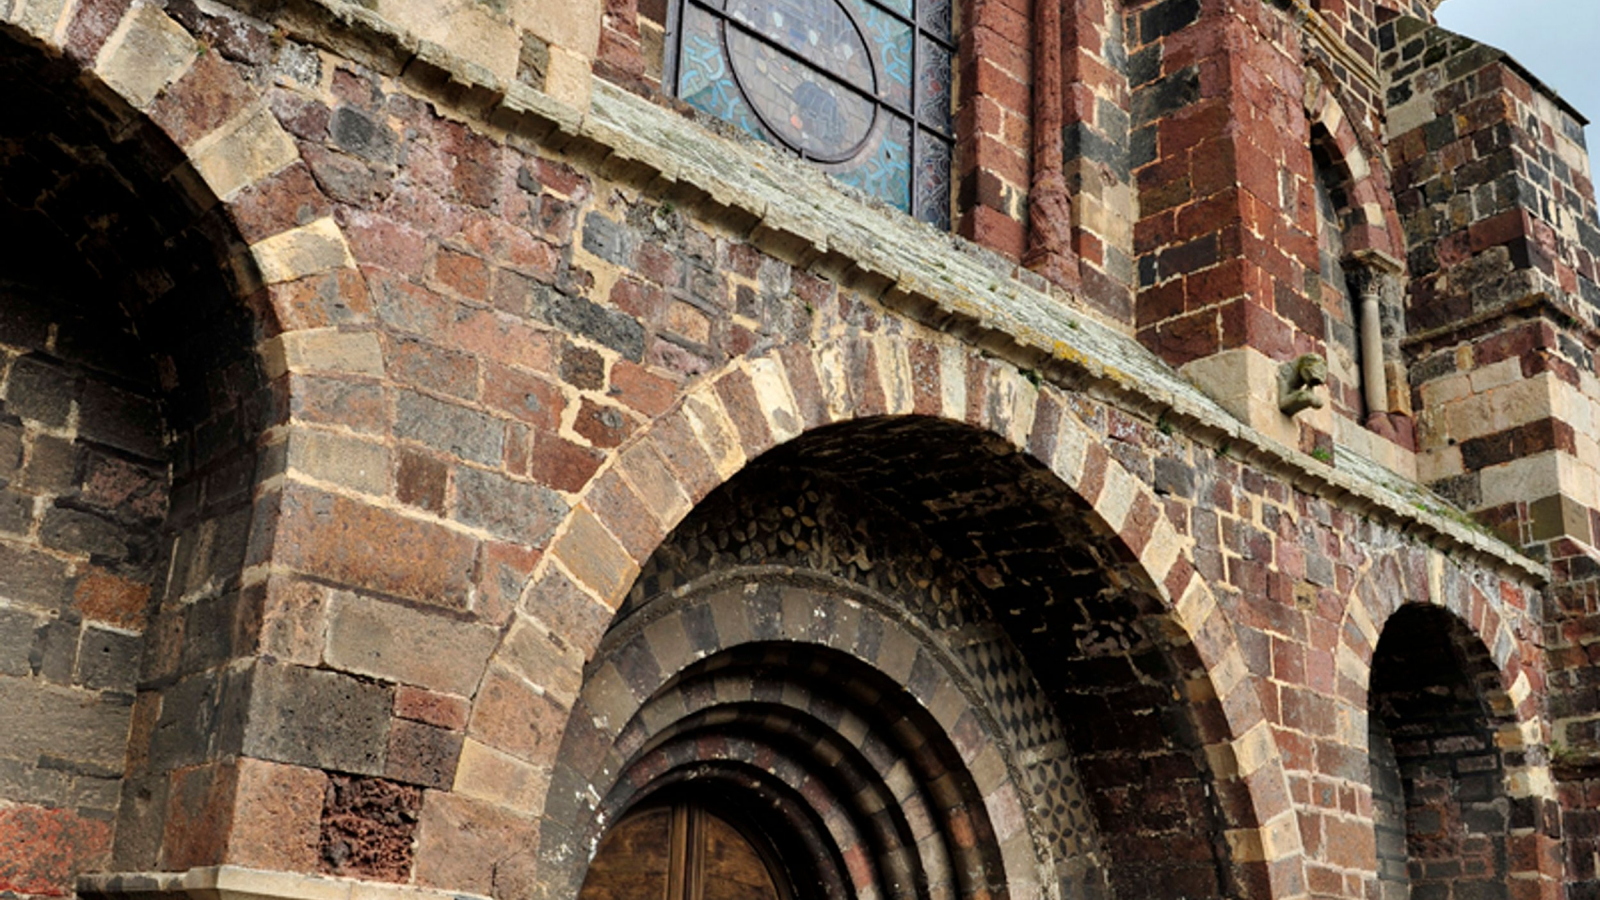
506, 375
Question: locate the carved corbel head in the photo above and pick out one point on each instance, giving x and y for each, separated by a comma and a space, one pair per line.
1299, 384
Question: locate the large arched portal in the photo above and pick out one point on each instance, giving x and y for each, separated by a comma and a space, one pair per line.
909, 650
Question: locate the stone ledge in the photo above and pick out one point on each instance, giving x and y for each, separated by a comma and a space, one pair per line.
929, 276
238, 883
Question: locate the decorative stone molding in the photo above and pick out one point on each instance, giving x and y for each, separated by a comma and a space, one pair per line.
1378, 284
238, 883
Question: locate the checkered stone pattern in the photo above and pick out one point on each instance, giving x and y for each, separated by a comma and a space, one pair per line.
1014, 698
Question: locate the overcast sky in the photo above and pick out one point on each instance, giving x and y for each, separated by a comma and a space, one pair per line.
1557, 40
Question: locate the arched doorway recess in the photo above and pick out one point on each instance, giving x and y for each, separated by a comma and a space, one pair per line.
934, 565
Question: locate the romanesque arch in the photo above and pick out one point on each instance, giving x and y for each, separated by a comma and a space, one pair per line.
1457, 743
1369, 214
719, 429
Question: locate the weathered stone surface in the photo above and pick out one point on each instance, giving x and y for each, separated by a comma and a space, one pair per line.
440, 710
146, 54
349, 543
342, 460
277, 817
512, 715
32, 578
422, 754
368, 828
42, 849
243, 151
514, 510
470, 845
50, 720
450, 429
318, 719
396, 643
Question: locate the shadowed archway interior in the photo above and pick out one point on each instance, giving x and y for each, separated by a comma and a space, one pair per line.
932, 530
132, 402
1440, 805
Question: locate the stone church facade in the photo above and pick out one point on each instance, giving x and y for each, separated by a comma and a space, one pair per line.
442, 455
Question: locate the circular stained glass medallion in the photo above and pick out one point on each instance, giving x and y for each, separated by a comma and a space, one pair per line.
806, 70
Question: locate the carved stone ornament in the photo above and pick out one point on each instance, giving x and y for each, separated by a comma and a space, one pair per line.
1299, 383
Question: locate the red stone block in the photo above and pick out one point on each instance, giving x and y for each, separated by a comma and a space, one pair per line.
524, 396
43, 850
350, 543
439, 710
738, 397
208, 95
996, 231
603, 425
467, 276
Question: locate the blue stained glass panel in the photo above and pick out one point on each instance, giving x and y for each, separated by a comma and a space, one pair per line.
818, 31
806, 109
903, 7
890, 40
705, 81
836, 81
884, 168
933, 85
933, 179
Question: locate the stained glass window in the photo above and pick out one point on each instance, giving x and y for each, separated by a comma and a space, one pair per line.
860, 87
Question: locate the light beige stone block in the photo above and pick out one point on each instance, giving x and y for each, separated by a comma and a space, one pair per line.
1356, 440
1255, 748
1161, 552
1538, 476
1117, 495
573, 24
894, 375
311, 249
1244, 382
44, 19
772, 393
953, 382
832, 373
1506, 371
484, 773
324, 350
390, 641
569, 77
467, 29
340, 459
243, 151
715, 431
147, 52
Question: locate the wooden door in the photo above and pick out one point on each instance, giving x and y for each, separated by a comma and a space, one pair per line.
680, 852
